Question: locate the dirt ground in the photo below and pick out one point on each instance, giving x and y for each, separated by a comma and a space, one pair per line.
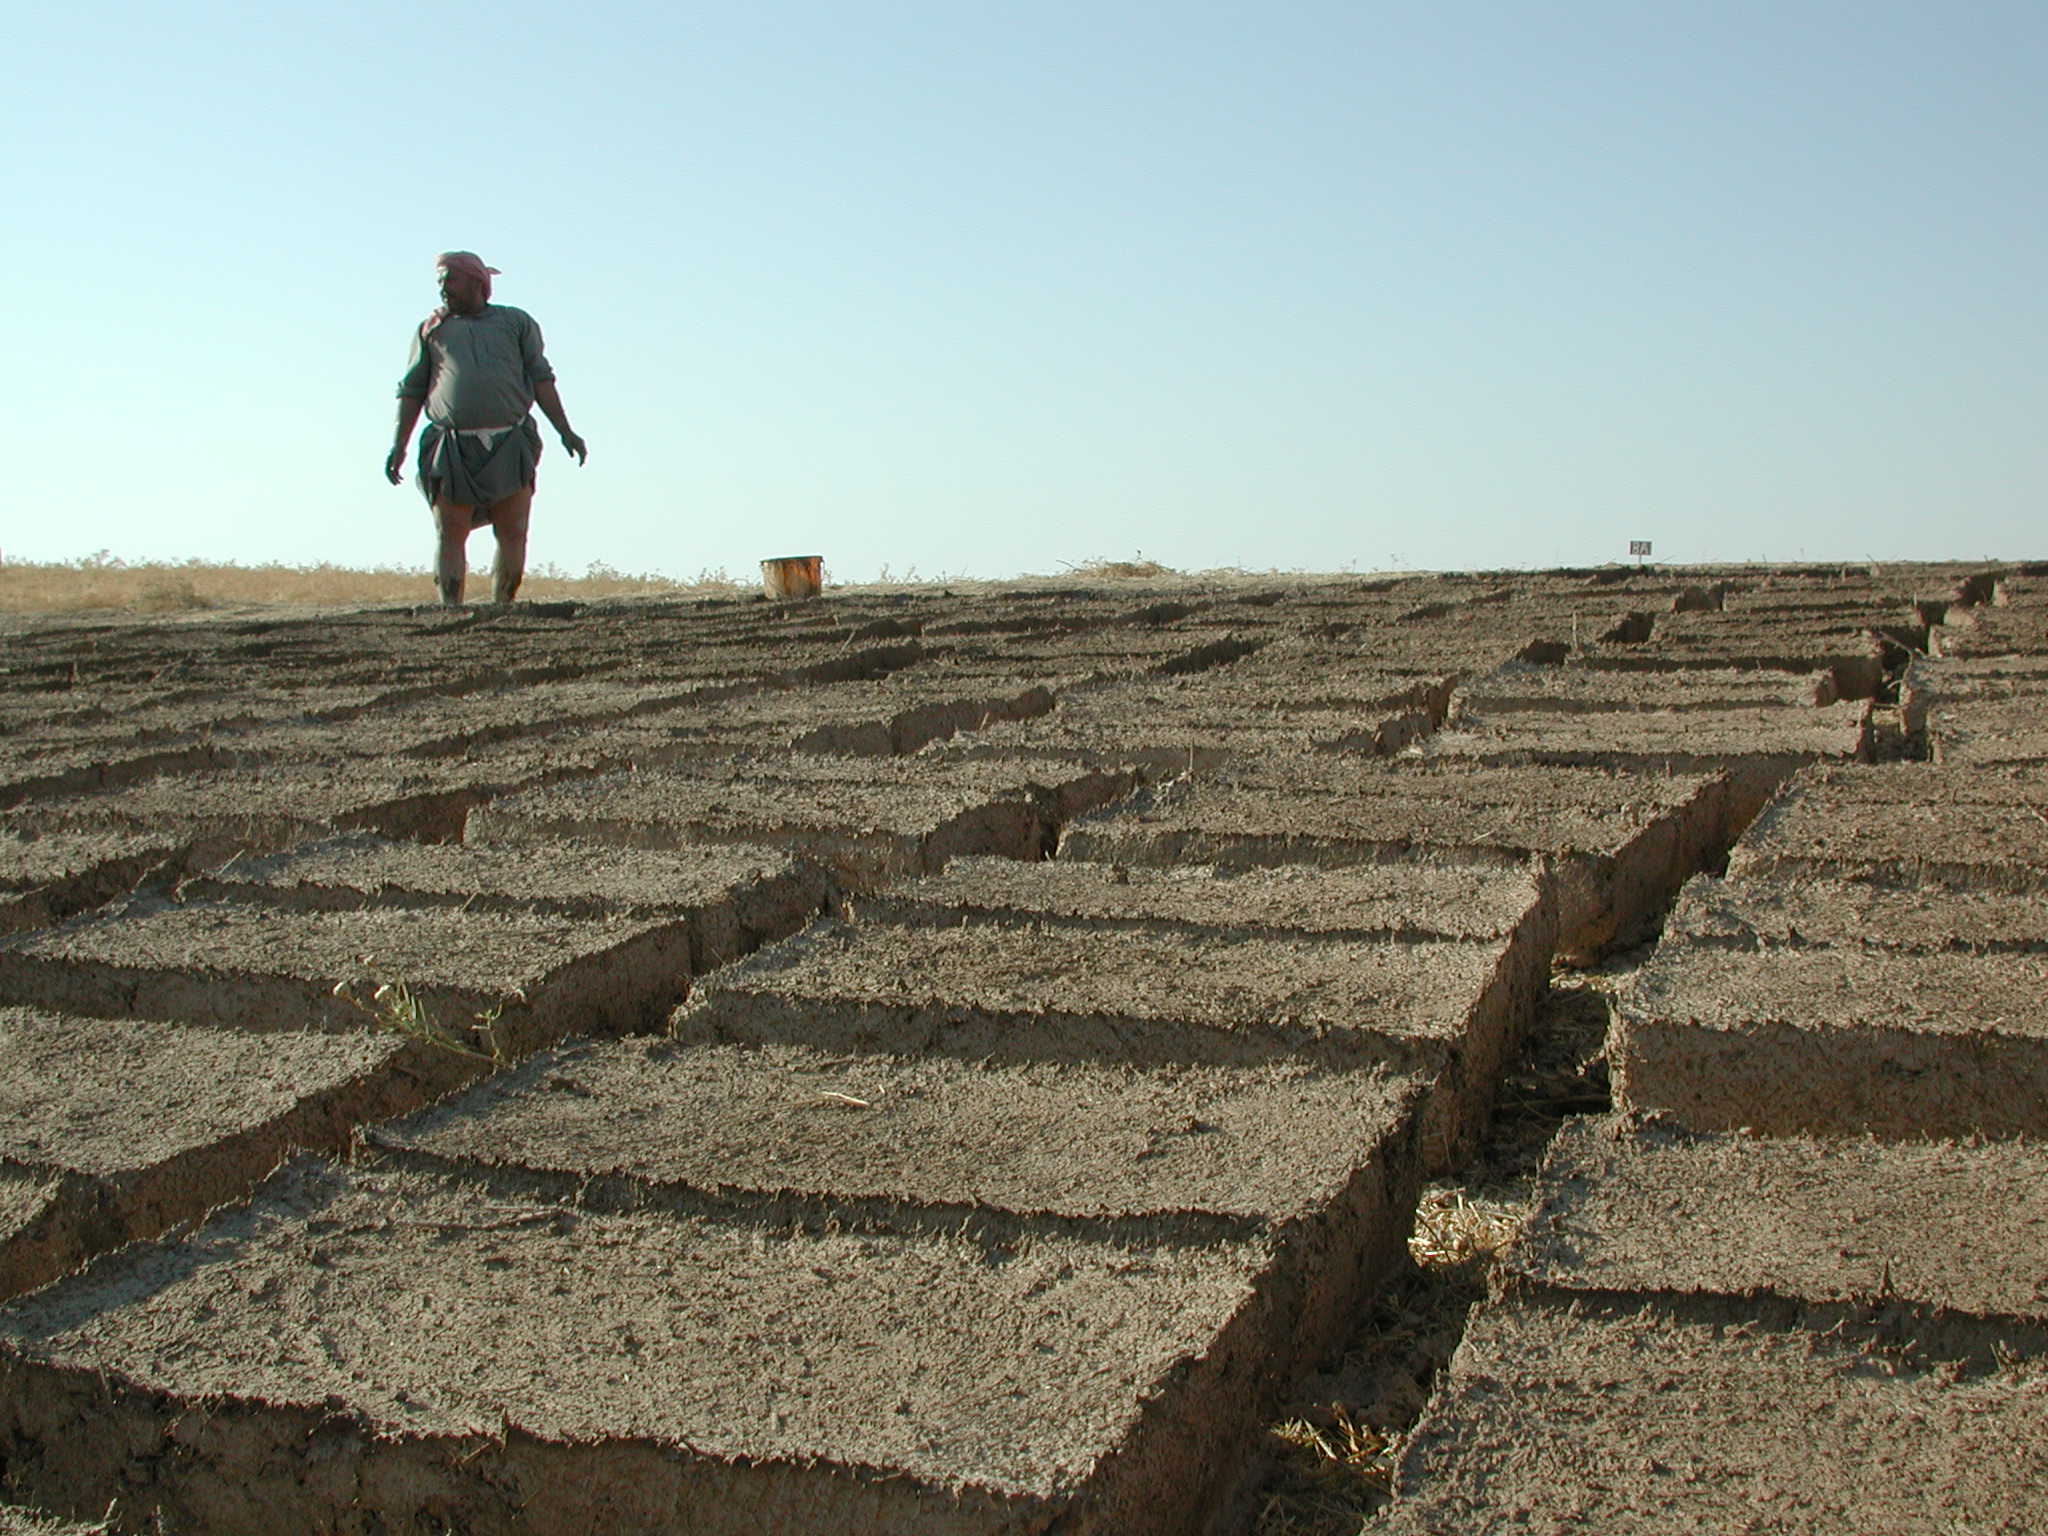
1102, 1052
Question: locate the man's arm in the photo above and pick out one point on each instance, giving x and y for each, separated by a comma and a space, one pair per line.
409, 408
549, 399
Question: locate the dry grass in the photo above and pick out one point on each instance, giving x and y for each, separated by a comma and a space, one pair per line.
101, 582
1137, 568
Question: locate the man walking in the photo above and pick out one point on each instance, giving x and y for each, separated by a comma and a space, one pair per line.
476, 370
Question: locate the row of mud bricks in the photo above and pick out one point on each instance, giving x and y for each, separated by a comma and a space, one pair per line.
952, 1062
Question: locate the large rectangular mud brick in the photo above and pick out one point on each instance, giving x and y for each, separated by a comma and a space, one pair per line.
870, 821
1414, 901
364, 1349
1908, 825
881, 718
1139, 1152
483, 984
1989, 733
1836, 1041
1989, 631
267, 806
1449, 1012
1764, 912
1757, 748
1168, 725
1523, 687
1641, 1416
49, 876
733, 899
1324, 1162
1740, 1333
1099, 654
128, 1127
30, 774
1614, 846
1932, 685
1947, 1227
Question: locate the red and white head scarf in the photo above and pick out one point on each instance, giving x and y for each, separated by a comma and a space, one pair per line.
467, 263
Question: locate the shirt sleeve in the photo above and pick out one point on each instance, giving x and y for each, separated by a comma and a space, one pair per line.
538, 369
419, 371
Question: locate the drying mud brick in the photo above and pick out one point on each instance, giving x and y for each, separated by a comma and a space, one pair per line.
1523, 687
1932, 686
462, 1357
30, 772
733, 899
1960, 1228
868, 821
871, 718
1757, 748
1960, 829
265, 807
488, 983
1986, 733
129, 1127
1363, 902
1972, 633
1766, 913
1449, 1012
1836, 1042
1166, 726
1740, 1333
1632, 1417
1613, 846
49, 876
1152, 1153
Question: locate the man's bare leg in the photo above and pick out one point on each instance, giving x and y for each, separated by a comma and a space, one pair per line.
509, 519
451, 560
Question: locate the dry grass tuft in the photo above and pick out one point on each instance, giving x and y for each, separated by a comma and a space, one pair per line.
102, 582
1137, 568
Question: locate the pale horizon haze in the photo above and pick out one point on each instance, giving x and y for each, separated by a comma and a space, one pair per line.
980, 290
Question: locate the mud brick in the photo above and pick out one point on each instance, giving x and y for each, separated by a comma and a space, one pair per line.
1757, 748
1361, 902
1636, 1417
1932, 686
733, 899
1766, 913
1524, 687
1951, 1227
1994, 630
487, 982
50, 876
871, 821
1907, 825
1614, 846
465, 1355
119, 1129
1732, 1332
1447, 1011
1836, 1042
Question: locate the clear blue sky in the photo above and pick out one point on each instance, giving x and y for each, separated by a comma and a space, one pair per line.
979, 288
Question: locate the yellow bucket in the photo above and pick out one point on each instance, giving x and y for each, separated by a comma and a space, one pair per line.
793, 576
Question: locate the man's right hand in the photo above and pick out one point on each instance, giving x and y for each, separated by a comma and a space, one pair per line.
394, 465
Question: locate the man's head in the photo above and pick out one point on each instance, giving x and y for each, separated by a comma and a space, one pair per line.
465, 281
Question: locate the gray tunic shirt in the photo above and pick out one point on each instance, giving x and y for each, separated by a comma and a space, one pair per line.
477, 371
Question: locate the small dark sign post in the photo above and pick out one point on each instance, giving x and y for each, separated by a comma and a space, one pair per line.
1640, 548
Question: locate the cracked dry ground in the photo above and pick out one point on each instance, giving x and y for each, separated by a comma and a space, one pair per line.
1555, 1051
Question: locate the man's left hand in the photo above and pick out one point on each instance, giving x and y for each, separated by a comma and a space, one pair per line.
576, 446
